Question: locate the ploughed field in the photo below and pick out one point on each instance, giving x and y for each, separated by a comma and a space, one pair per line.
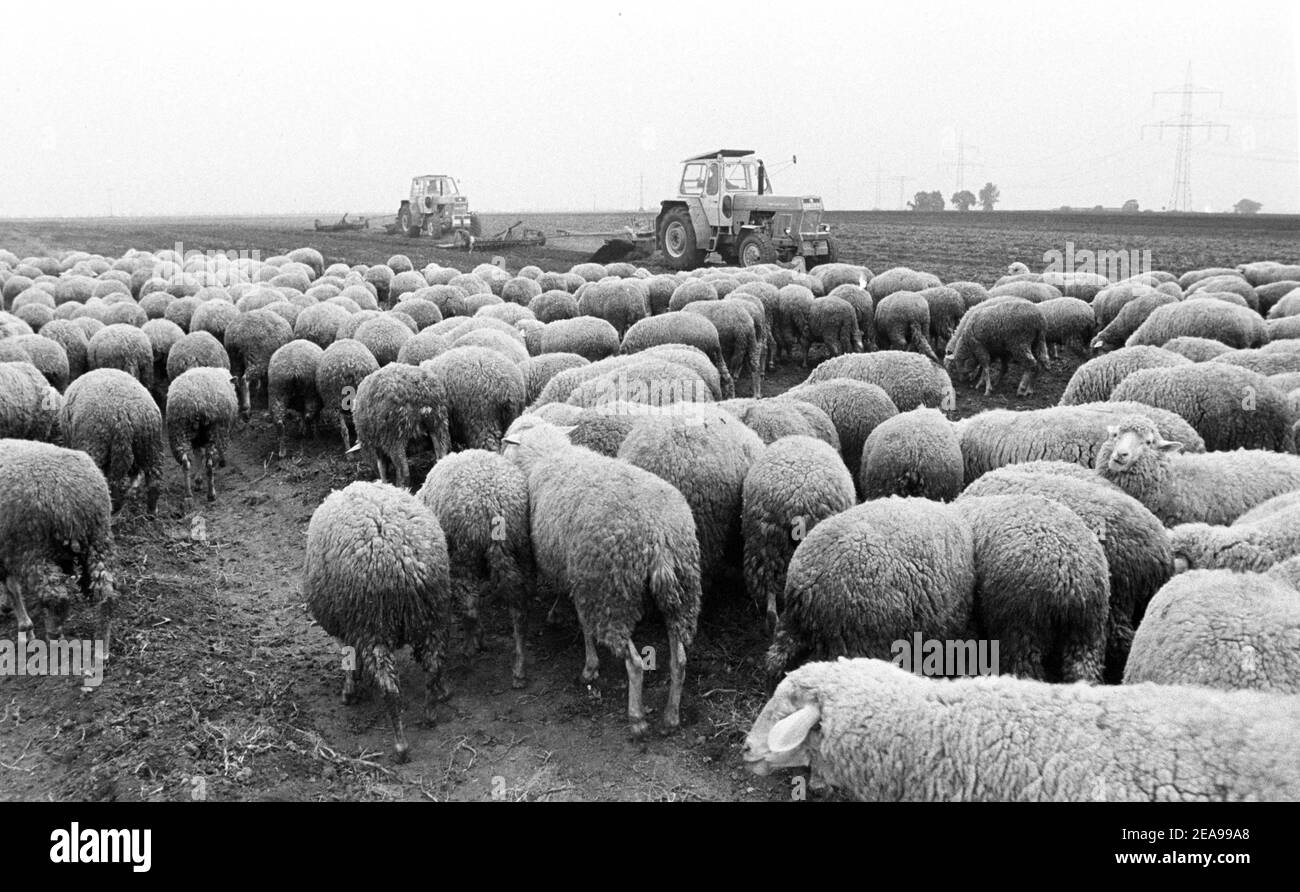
221, 686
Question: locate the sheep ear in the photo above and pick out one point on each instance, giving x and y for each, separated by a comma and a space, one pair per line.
566, 430
1169, 446
790, 732
1112, 429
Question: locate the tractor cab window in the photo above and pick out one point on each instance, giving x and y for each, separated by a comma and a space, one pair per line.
711, 183
739, 178
692, 179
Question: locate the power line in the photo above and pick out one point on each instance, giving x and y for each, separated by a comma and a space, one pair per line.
1184, 123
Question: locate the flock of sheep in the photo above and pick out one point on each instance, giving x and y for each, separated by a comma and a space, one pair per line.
1135, 550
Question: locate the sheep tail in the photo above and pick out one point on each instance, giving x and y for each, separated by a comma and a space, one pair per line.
675, 590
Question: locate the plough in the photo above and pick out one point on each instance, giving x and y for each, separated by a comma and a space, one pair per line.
462, 240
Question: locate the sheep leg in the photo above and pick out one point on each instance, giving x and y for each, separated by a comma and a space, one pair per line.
1030, 376
591, 666
151, 489
756, 371
385, 667
430, 656
1119, 639
54, 605
771, 609
245, 404
401, 470
467, 596
279, 438
189, 480
380, 462
519, 626
343, 429
15, 584
677, 676
637, 724
101, 592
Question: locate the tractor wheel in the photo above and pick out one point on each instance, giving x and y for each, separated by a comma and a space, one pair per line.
832, 254
404, 223
755, 248
677, 240
475, 227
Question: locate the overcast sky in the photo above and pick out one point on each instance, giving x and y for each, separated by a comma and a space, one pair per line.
322, 108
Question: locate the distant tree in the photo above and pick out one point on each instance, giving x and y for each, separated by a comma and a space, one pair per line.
963, 200
1099, 207
1130, 206
989, 196
927, 201
1246, 206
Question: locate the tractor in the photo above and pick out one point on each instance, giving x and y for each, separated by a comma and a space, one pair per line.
435, 208
725, 205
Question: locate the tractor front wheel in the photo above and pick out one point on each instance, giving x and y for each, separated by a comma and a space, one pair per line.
677, 240
755, 248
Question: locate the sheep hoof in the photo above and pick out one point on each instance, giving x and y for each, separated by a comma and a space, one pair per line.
519, 682
402, 753
638, 729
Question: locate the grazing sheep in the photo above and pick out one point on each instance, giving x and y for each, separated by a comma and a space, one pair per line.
909, 379
122, 347
855, 408
1203, 318
76, 345
1042, 586
1230, 407
384, 336
603, 428
197, 349
1138, 552
201, 409
863, 309
1266, 361
620, 302
250, 340
377, 578
783, 417
1097, 378
737, 338
691, 290
1002, 330
1070, 324
1220, 629
484, 395
1196, 349
997, 437
971, 293
481, 502
1129, 319
29, 407
796, 483
425, 345
587, 336
899, 278
110, 416
794, 306
872, 575
57, 509
915, 453
833, 323
1034, 292
319, 323
688, 368
877, 732
214, 317
1212, 487
395, 405
705, 455
947, 306
693, 330
339, 373
611, 535
291, 384
1252, 543
903, 323
539, 370
552, 305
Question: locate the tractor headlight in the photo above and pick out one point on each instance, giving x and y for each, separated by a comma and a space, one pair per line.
787, 230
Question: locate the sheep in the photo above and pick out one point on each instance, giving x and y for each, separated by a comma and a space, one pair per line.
48, 356
678, 327
339, 372
871, 575
1042, 586
29, 407
110, 416
1213, 487
1251, 543
538, 370
737, 338
1033, 291
997, 437
1233, 325
394, 405
782, 417
481, 502
899, 278
903, 323
611, 534
1267, 362
1085, 286
75, 344
654, 380
484, 394
1129, 319
291, 384
250, 340
691, 290
971, 293
1196, 349
705, 454
201, 409
795, 484
833, 323
57, 508
1097, 378
1002, 329
376, 577
122, 347
1220, 629
197, 349
425, 345
1230, 407
1138, 551
909, 379
319, 323
855, 408
603, 428
863, 310
914, 453
552, 305
689, 367
1070, 323
587, 336
877, 732
1222, 286
620, 302
794, 306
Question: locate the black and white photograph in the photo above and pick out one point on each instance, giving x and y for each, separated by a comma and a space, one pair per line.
675, 402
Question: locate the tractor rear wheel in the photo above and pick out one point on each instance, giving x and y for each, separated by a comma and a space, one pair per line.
677, 240
404, 223
755, 248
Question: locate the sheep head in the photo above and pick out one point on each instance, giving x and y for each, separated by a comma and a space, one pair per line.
1135, 437
785, 732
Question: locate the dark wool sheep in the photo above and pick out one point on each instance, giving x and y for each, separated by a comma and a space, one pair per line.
250, 340
854, 407
57, 509
794, 306
737, 337
614, 537
111, 417
947, 306
481, 502
485, 393
395, 405
1230, 407
1000, 330
1097, 378
377, 578
875, 574
692, 329
833, 323
339, 373
795, 484
706, 456
1138, 553
291, 384
914, 453
903, 323
1042, 587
